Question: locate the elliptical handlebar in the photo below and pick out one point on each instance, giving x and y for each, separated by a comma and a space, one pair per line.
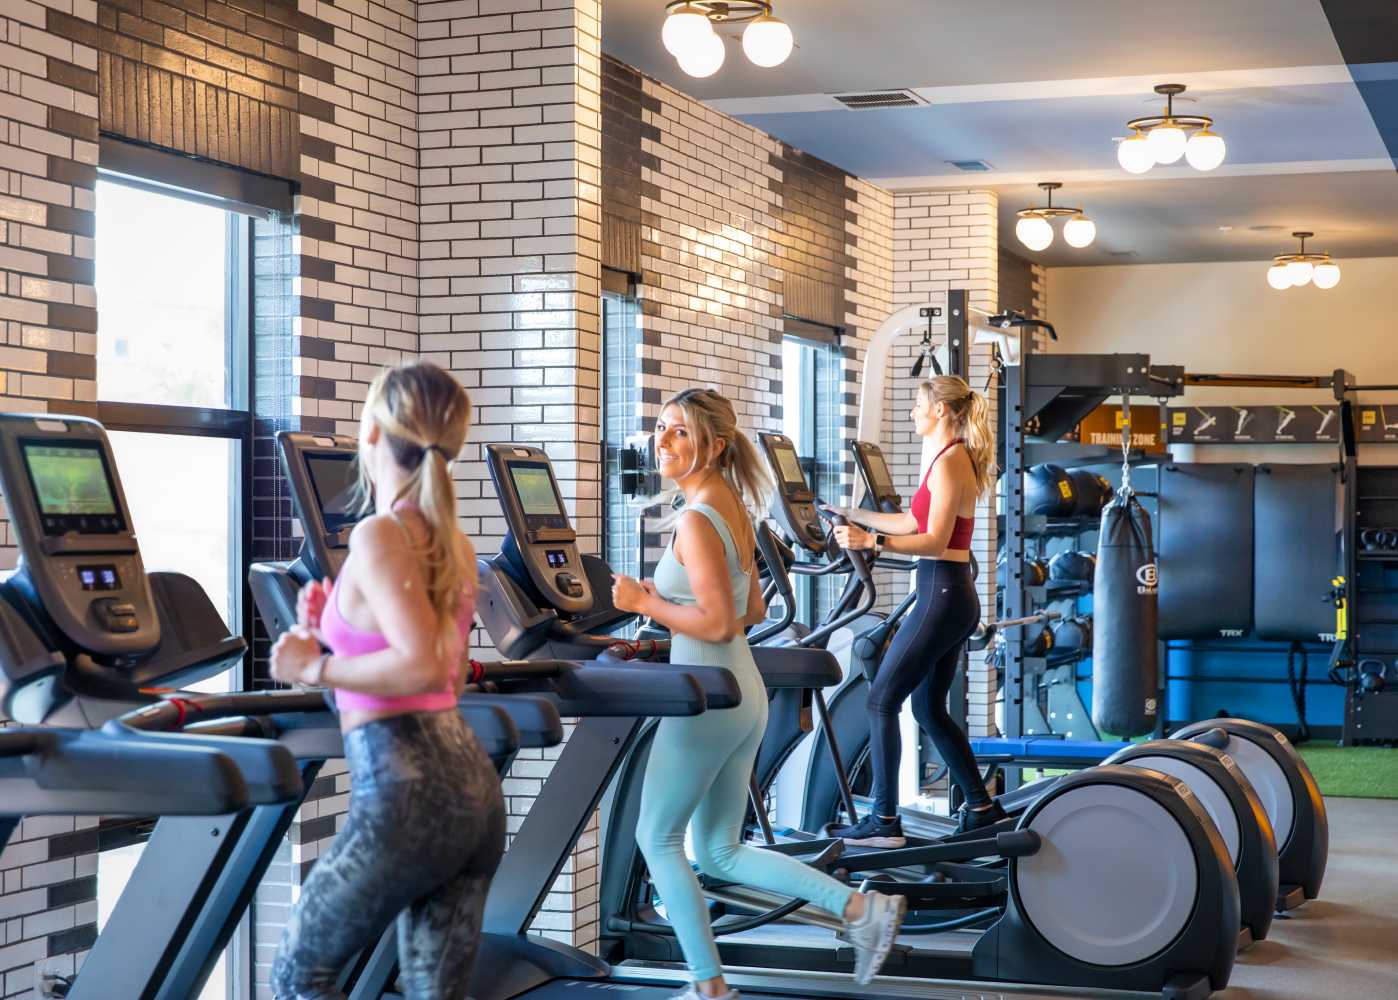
778, 558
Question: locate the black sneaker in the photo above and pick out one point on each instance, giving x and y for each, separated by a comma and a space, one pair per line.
872, 831
970, 820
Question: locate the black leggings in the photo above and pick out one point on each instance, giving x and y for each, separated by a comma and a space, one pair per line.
921, 661
425, 833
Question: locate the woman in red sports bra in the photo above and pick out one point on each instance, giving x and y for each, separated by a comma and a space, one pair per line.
922, 659
426, 825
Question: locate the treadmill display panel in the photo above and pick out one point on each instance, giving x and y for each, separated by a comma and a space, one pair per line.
335, 483
790, 467
880, 478
538, 497
73, 488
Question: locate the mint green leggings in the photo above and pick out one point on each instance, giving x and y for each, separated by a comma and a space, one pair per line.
698, 777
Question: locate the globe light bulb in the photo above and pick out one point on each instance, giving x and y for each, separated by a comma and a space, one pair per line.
767, 41
1277, 277
1166, 143
1326, 275
1204, 150
1134, 155
1034, 232
1079, 231
1299, 271
704, 58
685, 28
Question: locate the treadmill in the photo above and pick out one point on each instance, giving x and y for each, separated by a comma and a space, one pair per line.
538, 593
84, 629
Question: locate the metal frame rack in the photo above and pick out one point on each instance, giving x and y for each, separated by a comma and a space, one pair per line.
1045, 395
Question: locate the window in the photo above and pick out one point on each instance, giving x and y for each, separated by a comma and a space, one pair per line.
173, 360
811, 390
622, 537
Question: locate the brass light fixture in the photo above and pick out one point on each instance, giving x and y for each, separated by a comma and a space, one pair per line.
1034, 231
1165, 138
689, 33
1289, 270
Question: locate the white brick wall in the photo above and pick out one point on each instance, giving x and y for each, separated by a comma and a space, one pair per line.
510, 119
945, 240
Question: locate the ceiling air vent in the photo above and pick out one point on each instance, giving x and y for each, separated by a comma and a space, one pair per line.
871, 99
1121, 253
974, 166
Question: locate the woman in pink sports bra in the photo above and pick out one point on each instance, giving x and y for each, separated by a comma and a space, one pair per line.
922, 659
426, 826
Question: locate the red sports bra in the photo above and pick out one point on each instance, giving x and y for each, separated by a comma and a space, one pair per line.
961, 529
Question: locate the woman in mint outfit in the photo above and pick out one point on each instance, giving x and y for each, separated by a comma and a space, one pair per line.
705, 591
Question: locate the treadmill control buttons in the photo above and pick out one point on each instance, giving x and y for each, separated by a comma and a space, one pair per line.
116, 616
569, 585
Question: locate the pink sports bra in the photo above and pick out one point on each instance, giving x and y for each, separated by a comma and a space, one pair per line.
962, 528
345, 639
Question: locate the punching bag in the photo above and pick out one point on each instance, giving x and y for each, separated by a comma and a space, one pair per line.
1124, 651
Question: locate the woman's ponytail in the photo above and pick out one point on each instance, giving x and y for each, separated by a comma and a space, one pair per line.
980, 440
424, 414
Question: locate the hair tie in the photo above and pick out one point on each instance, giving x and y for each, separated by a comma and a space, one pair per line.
446, 455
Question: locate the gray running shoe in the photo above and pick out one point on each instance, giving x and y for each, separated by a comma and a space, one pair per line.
693, 994
873, 936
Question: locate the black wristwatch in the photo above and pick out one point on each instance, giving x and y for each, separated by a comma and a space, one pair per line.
880, 540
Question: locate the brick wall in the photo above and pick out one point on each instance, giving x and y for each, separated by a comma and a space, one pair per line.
945, 240
510, 120
48, 156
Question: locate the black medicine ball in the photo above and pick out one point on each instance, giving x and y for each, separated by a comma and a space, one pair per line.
1075, 566
1048, 490
1094, 490
1038, 640
1073, 633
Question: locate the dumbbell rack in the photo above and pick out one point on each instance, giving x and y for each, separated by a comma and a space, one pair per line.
1371, 716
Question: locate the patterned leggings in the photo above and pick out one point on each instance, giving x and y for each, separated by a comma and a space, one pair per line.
425, 833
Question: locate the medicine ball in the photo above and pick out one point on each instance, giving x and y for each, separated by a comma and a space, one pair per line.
1036, 572
1038, 640
1048, 490
1074, 566
1073, 633
1094, 490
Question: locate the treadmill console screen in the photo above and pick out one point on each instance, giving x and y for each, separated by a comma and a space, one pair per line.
790, 467
556, 558
542, 505
880, 478
335, 483
73, 488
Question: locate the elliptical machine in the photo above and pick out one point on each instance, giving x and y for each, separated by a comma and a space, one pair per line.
1153, 900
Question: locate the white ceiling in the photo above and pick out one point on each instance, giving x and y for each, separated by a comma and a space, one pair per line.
1039, 90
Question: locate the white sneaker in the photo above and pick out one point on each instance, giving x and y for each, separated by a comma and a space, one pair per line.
693, 994
874, 934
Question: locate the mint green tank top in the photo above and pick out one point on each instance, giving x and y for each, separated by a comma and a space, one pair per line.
672, 583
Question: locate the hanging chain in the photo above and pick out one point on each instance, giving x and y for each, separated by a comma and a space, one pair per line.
1126, 444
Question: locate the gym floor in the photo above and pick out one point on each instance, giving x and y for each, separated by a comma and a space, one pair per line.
1341, 945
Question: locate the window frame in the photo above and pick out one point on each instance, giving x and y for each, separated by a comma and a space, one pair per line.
235, 422
814, 339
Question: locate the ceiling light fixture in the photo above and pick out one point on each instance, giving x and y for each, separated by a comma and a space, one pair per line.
1292, 269
1165, 138
689, 36
1034, 231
